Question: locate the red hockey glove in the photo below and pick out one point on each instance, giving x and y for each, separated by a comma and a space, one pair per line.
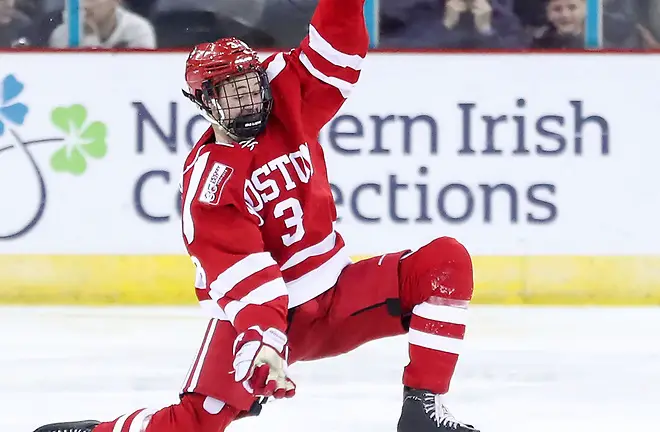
260, 363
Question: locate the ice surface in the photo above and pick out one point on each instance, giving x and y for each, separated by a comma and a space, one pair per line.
524, 370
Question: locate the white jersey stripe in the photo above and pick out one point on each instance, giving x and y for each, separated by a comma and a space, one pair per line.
213, 309
191, 193
343, 86
244, 268
202, 356
275, 67
263, 294
119, 424
443, 313
317, 281
140, 421
324, 246
435, 342
196, 359
331, 54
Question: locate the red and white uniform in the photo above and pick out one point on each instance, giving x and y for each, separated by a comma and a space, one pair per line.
258, 224
258, 221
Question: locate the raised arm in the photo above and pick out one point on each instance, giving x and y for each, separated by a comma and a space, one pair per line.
329, 59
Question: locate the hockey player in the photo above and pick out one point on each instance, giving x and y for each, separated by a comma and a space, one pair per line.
258, 222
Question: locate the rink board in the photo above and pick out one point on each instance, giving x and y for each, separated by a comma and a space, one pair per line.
553, 188
168, 280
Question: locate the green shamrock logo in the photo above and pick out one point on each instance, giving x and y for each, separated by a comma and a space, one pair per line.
82, 139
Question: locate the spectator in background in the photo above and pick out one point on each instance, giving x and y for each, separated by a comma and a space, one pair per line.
28, 7
140, 7
453, 24
621, 25
650, 33
15, 27
108, 25
531, 13
566, 26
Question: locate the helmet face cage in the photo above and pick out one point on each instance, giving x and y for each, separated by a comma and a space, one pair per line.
240, 104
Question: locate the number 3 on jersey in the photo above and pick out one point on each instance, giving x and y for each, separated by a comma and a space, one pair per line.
291, 207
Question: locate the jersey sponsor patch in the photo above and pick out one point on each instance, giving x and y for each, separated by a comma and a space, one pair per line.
215, 183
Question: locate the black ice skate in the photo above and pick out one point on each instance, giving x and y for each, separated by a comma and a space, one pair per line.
77, 426
423, 411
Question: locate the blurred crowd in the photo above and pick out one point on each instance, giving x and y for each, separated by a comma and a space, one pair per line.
516, 24
403, 24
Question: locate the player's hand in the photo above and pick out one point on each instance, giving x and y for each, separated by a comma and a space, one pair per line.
260, 363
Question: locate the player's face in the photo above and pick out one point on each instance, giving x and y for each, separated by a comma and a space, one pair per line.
241, 95
567, 15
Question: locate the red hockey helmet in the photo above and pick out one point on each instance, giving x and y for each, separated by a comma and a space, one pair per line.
228, 83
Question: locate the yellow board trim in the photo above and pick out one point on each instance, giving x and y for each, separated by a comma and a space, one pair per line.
168, 280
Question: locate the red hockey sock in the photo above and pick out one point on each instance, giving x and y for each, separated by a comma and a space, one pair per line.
195, 412
436, 285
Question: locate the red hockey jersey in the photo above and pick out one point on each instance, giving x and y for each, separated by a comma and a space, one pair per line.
258, 222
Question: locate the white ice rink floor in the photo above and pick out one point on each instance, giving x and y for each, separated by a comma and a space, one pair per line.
524, 370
